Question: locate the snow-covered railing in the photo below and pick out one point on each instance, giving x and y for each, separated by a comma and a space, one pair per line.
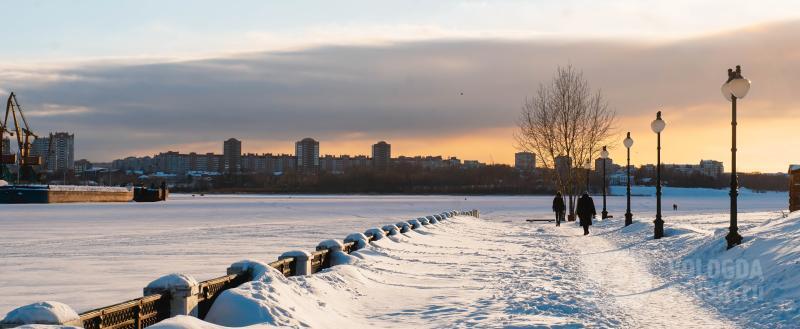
135, 314
178, 294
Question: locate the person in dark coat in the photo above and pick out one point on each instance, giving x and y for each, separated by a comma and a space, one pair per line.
586, 211
559, 208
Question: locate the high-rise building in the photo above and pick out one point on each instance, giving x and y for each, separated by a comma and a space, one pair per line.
279, 163
61, 151
232, 155
711, 168
381, 155
171, 162
307, 154
525, 161
563, 165
598, 166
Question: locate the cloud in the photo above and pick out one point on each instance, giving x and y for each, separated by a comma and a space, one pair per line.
56, 110
407, 90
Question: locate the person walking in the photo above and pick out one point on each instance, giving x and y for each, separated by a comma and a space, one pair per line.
559, 208
586, 211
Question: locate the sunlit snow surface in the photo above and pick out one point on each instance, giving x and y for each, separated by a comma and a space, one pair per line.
90, 255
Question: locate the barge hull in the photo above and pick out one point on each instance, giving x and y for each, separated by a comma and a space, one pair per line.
45, 196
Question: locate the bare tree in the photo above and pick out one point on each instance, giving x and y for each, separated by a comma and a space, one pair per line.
566, 119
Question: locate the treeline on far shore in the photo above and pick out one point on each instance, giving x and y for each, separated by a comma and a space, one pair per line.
491, 179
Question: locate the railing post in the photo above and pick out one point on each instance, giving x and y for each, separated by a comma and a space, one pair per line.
46, 313
392, 229
302, 261
423, 221
375, 233
360, 240
403, 226
331, 245
182, 290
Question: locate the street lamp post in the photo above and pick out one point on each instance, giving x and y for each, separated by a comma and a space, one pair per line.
658, 126
734, 88
604, 156
588, 167
628, 143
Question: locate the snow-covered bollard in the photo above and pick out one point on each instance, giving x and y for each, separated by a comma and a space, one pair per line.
392, 229
358, 238
302, 261
423, 221
254, 268
415, 224
49, 313
431, 219
476, 213
403, 226
375, 233
330, 245
182, 290
336, 255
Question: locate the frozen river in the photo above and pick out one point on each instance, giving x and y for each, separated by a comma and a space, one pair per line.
91, 255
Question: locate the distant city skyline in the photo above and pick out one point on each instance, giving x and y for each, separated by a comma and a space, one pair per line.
435, 78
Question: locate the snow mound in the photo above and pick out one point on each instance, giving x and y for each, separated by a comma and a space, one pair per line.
359, 238
392, 229
298, 254
759, 279
341, 258
256, 268
43, 313
271, 299
184, 322
170, 281
330, 244
403, 226
375, 233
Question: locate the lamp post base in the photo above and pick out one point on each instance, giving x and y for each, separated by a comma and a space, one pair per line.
659, 228
628, 218
605, 214
733, 238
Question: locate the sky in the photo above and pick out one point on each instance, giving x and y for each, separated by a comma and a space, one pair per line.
141, 77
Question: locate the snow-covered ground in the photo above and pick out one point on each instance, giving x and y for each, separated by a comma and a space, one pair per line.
498, 271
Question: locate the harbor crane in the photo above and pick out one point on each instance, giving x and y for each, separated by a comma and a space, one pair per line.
24, 136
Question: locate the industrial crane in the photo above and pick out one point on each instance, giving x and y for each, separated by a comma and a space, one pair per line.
25, 137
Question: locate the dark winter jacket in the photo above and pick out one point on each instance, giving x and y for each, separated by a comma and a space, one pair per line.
558, 204
585, 210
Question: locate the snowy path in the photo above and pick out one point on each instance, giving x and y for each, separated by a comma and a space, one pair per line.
646, 300
469, 273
